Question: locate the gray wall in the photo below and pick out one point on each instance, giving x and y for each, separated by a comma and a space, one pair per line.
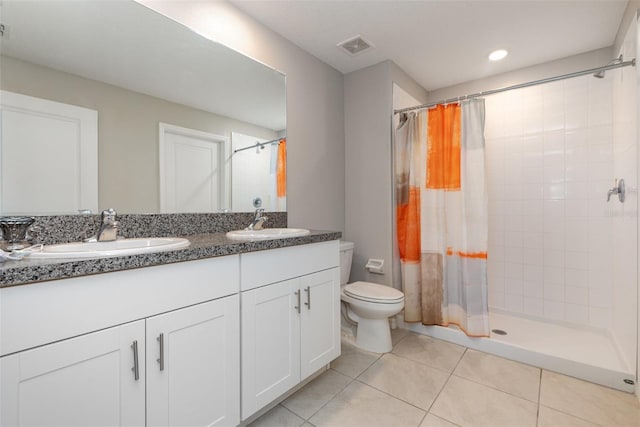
368, 100
128, 151
315, 116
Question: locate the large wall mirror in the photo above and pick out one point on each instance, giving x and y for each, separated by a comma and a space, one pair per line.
110, 104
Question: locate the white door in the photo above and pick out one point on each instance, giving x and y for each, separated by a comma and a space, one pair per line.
193, 174
270, 343
88, 380
320, 320
48, 156
195, 379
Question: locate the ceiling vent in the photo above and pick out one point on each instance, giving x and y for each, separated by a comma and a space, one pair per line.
355, 45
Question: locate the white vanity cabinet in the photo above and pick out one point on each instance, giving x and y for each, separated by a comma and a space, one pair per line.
65, 363
81, 381
193, 365
290, 319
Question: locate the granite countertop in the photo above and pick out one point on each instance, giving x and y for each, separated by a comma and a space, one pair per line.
206, 245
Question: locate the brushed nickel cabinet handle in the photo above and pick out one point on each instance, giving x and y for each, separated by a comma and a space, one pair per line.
297, 307
136, 365
308, 291
160, 360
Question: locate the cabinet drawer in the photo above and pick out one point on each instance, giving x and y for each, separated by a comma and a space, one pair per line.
37, 314
275, 265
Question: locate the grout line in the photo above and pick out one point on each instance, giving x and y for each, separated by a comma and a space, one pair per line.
539, 394
392, 396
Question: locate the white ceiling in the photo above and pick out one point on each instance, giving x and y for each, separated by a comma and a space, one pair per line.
443, 42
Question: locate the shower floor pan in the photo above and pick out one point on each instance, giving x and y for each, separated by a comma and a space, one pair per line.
587, 354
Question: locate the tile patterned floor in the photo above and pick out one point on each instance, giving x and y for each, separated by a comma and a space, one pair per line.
425, 382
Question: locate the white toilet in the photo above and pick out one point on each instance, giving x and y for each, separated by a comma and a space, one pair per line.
369, 305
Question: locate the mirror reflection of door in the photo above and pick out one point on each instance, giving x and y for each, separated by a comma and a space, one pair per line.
48, 156
193, 176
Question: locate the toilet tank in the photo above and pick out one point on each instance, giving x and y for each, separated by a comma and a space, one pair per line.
346, 255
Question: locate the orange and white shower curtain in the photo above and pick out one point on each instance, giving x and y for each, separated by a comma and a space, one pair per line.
442, 216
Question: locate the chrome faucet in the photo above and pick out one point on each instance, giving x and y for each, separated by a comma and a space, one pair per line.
108, 230
258, 220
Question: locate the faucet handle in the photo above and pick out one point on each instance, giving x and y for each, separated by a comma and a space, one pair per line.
109, 215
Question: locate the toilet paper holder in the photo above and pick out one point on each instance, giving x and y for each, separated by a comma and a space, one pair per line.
375, 266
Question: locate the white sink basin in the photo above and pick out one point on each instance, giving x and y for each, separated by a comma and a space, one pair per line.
267, 233
109, 249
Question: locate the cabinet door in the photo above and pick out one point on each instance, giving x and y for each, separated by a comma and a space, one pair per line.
198, 381
270, 343
80, 381
320, 320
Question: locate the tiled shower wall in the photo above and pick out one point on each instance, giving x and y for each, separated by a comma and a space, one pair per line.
550, 161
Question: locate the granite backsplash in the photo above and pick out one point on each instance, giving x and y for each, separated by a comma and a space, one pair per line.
73, 228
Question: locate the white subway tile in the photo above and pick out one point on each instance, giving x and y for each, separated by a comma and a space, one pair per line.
496, 299
533, 306
600, 317
533, 224
533, 258
576, 278
575, 171
513, 238
554, 275
514, 286
554, 310
534, 240
600, 297
576, 208
513, 303
512, 271
577, 313
555, 190
532, 192
577, 295
533, 289
513, 223
554, 208
576, 260
577, 190
514, 254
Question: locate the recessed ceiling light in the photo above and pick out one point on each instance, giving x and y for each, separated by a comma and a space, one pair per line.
497, 55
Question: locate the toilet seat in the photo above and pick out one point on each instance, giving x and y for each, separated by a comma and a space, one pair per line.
372, 292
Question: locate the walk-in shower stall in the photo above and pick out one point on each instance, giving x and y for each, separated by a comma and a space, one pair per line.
562, 181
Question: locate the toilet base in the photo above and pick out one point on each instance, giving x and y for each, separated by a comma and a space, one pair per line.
374, 335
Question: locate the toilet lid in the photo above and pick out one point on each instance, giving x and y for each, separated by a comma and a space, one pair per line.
373, 292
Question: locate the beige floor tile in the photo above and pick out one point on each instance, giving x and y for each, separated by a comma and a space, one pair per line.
506, 375
398, 335
548, 417
353, 361
589, 401
313, 396
468, 403
278, 417
361, 405
405, 379
430, 351
432, 421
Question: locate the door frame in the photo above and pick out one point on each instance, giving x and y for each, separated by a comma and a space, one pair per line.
225, 169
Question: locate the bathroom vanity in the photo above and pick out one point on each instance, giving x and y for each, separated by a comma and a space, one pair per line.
168, 344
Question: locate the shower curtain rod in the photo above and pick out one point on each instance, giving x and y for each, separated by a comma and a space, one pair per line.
518, 86
260, 144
